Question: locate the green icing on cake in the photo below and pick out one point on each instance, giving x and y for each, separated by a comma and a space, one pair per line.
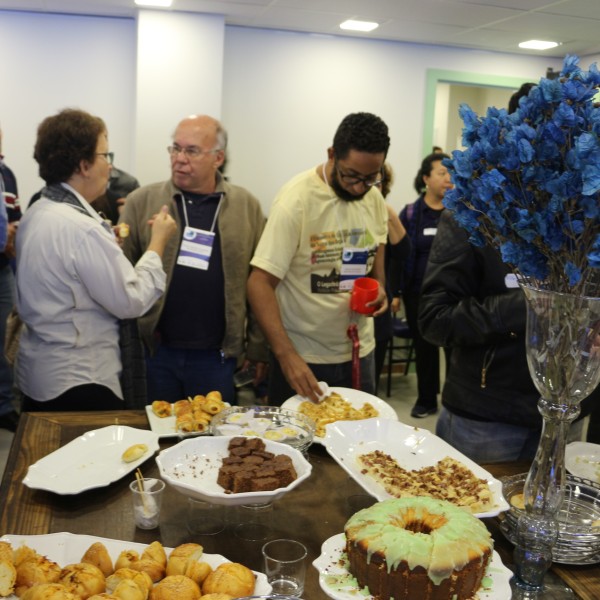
384, 528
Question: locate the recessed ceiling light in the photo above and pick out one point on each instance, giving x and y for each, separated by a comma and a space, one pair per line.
538, 45
359, 25
161, 3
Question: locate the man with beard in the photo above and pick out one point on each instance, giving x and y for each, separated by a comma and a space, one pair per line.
327, 226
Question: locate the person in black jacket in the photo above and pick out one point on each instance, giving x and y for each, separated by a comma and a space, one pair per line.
471, 302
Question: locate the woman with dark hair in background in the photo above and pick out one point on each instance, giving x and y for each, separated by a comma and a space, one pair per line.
420, 219
73, 281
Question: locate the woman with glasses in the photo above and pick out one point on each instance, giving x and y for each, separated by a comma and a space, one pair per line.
74, 283
420, 220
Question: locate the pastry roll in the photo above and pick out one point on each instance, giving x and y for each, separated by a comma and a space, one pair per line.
134, 452
161, 408
182, 407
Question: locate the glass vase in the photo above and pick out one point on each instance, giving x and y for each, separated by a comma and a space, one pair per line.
563, 355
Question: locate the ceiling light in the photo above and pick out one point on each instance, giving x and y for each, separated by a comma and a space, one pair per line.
538, 45
359, 25
161, 3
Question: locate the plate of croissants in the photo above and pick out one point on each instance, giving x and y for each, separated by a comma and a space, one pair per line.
65, 566
191, 415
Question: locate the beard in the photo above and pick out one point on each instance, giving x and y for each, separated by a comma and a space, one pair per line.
341, 192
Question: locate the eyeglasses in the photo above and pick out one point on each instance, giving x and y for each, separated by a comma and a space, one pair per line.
189, 152
356, 179
108, 156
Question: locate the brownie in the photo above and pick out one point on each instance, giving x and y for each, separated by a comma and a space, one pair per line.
250, 468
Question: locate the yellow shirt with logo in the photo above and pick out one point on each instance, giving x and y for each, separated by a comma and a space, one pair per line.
302, 244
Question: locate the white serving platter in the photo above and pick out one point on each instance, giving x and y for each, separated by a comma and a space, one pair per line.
355, 397
192, 467
337, 583
90, 461
67, 548
411, 447
166, 427
582, 459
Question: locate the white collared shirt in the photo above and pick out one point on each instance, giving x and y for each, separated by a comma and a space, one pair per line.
73, 285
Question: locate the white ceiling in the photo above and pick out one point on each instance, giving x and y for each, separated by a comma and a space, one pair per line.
496, 25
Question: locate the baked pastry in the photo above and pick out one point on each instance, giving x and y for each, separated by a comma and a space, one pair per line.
8, 576
83, 579
49, 591
134, 452
6, 552
175, 586
181, 556
104, 596
216, 597
417, 548
34, 569
140, 578
161, 408
8, 572
230, 578
125, 558
128, 589
98, 555
155, 570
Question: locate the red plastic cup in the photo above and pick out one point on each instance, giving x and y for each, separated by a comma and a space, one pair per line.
366, 289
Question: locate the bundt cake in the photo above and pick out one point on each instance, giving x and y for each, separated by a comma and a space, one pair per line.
417, 548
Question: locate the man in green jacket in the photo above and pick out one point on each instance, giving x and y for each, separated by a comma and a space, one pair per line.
199, 330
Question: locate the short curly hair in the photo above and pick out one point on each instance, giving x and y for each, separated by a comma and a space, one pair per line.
63, 141
361, 131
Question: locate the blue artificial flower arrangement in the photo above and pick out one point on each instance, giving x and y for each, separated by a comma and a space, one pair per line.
528, 183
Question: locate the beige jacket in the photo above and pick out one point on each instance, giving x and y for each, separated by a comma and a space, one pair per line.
240, 222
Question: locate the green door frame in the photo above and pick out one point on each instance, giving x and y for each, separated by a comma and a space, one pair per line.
435, 76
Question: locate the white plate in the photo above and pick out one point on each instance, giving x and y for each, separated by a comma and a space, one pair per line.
582, 459
90, 461
166, 427
355, 397
411, 447
337, 583
192, 467
67, 548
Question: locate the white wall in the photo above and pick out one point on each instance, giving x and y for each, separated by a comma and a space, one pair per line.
50, 62
281, 95
285, 93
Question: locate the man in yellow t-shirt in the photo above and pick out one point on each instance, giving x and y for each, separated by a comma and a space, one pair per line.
327, 226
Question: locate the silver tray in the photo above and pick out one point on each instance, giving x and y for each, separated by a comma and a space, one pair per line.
578, 520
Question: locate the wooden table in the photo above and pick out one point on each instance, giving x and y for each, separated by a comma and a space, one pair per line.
312, 513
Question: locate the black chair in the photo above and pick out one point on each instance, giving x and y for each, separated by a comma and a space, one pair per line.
401, 343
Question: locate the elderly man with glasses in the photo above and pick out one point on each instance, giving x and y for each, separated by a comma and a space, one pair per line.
327, 226
196, 334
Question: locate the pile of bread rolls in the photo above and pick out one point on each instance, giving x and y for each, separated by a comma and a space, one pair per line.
134, 576
192, 414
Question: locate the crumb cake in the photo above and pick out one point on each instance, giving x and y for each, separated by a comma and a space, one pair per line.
447, 480
409, 548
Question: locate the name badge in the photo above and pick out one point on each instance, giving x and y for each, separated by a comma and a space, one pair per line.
196, 248
354, 265
430, 231
510, 281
